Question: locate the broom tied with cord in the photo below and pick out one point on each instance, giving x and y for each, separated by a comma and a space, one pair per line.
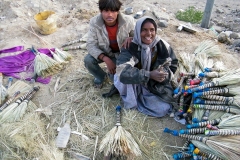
58, 52
118, 141
21, 109
9, 101
230, 89
231, 121
224, 108
222, 146
205, 154
44, 65
6, 113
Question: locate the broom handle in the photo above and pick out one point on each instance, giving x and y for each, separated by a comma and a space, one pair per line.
212, 70
9, 101
185, 145
202, 124
36, 88
192, 131
201, 101
118, 116
194, 137
214, 107
208, 85
211, 74
186, 74
182, 155
72, 48
228, 100
215, 91
72, 42
229, 132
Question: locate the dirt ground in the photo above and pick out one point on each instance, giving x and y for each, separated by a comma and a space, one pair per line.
90, 114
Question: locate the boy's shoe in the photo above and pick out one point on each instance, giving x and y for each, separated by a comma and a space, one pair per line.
112, 92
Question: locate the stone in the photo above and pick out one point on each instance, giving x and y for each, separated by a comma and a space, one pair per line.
234, 35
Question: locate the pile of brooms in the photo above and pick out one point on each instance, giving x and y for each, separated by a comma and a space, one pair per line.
213, 114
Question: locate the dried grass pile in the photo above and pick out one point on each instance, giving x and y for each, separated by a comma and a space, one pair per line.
91, 118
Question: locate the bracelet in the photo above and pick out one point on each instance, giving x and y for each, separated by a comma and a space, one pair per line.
103, 57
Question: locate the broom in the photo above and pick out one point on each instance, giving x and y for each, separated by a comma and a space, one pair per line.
224, 108
21, 109
205, 154
222, 132
206, 149
227, 146
9, 101
6, 113
209, 48
230, 89
83, 39
232, 121
61, 54
45, 66
118, 141
230, 78
225, 142
235, 100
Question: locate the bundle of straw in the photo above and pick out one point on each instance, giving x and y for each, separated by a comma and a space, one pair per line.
209, 48
118, 141
45, 66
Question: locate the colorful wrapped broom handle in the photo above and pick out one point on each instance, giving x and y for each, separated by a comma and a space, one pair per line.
118, 116
203, 124
192, 131
195, 81
222, 132
217, 90
182, 155
173, 132
201, 101
224, 108
211, 74
207, 85
212, 69
186, 74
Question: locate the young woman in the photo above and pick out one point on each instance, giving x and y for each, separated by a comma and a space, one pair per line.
139, 80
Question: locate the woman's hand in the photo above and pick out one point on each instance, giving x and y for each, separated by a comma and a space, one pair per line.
158, 76
111, 66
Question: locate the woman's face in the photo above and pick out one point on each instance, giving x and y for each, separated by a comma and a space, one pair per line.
148, 33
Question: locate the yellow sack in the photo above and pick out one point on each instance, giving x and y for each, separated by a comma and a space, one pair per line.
46, 21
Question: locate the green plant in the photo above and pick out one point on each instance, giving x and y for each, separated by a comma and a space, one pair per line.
190, 15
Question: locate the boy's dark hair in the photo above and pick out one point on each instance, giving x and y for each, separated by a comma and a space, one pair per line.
109, 5
151, 21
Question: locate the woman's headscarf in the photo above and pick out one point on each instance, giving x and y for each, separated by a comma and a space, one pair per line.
146, 55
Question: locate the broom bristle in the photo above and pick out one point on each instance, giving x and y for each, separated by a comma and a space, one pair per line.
65, 55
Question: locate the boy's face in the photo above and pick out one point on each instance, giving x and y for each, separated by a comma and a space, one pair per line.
109, 17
